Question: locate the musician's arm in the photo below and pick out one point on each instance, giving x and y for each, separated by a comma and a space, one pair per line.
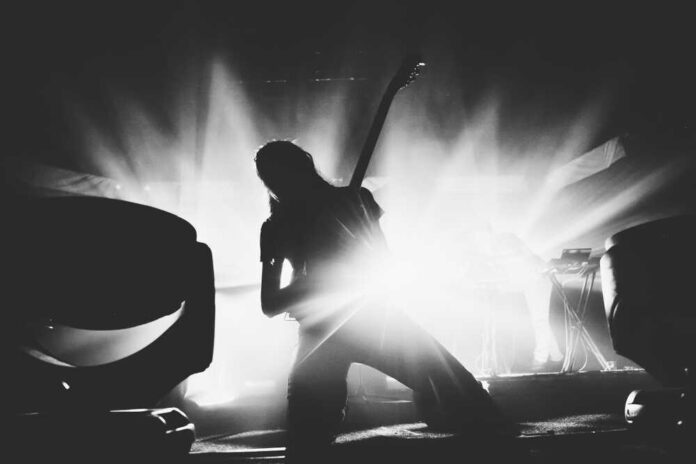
276, 300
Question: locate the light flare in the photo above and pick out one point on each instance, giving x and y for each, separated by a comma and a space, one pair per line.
447, 201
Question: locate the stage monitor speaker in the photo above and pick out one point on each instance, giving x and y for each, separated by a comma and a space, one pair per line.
648, 275
107, 304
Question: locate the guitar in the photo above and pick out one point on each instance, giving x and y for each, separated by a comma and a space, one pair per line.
408, 71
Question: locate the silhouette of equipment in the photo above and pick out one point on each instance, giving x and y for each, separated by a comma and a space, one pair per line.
648, 277
577, 263
81, 274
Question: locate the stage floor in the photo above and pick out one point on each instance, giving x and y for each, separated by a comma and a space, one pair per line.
575, 417
590, 438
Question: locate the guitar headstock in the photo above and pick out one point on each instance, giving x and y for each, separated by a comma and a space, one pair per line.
408, 72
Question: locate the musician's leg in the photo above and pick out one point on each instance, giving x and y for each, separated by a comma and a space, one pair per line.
537, 292
317, 393
394, 344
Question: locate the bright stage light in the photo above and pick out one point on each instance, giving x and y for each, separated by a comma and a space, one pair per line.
447, 196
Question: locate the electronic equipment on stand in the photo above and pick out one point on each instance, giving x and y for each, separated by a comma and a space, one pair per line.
577, 262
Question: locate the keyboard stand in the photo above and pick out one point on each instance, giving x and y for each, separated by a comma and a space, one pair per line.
575, 331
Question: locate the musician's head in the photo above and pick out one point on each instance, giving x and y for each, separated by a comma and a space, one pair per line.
286, 170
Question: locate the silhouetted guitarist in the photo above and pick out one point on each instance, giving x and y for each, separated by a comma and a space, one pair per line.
329, 234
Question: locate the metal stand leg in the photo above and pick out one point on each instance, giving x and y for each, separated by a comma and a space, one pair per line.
575, 330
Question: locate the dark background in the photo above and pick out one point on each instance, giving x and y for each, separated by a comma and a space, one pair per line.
546, 59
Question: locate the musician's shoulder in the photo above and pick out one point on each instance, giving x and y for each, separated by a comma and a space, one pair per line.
267, 226
272, 223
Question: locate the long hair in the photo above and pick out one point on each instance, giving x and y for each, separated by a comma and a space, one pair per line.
286, 157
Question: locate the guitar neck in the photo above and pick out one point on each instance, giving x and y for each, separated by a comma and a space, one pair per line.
371, 140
